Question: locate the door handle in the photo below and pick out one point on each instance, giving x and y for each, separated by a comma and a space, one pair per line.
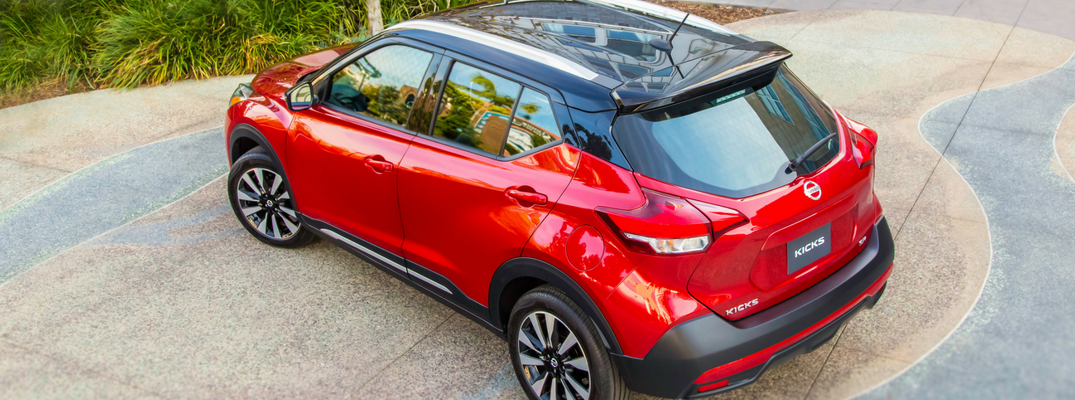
526, 194
378, 164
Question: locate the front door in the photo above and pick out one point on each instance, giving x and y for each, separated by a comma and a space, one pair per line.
344, 153
475, 186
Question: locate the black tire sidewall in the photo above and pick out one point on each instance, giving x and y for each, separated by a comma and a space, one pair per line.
256, 158
551, 300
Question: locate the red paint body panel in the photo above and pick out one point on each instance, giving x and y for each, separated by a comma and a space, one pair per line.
749, 261
760, 357
333, 182
267, 114
641, 296
460, 222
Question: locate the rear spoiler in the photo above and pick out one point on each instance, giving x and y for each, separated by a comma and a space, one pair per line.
752, 63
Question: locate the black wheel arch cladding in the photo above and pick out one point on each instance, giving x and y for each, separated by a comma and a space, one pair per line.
531, 268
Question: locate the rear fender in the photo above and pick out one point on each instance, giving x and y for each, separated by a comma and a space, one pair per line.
523, 267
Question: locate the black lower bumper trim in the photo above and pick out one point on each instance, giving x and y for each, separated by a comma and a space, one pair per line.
691, 348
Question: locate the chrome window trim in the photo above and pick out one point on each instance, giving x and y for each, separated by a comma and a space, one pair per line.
498, 42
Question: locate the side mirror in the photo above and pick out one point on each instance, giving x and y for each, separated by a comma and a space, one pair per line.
300, 97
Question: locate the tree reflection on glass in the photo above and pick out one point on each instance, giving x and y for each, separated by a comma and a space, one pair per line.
475, 108
383, 84
534, 124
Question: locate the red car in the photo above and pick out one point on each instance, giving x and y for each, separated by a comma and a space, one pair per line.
634, 198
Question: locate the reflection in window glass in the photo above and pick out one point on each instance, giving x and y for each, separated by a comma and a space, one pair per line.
731, 144
633, 44
534, 124
583, 33
383, 84
475, 108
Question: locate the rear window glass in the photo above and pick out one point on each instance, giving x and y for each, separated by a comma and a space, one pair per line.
733, 144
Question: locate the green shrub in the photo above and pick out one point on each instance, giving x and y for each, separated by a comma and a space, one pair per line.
126, 43
45, 39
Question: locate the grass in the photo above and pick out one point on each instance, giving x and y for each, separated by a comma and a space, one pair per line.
87, 44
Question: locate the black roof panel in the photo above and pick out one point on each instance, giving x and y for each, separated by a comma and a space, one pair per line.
585, 48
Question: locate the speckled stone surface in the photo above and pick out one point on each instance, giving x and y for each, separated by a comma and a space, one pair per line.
1019, 339
104, 196
46, 140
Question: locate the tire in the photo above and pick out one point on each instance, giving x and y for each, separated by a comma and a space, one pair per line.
532, 359
261, 199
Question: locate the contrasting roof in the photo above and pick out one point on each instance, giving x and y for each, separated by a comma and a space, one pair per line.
604, 44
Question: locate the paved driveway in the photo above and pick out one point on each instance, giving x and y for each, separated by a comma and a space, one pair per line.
107, 294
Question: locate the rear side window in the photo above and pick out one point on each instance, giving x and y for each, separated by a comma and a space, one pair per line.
731, 144
533, 126
475, 109
382, 84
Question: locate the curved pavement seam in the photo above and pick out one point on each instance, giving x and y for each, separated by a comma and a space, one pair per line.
995, 101
1056, 148
104, 195
106, 233
981, 207
71, 173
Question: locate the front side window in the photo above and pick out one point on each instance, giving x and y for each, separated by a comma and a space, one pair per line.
475, 108
382, 84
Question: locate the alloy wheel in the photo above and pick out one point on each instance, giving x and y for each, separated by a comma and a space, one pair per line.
266, 204
553, 361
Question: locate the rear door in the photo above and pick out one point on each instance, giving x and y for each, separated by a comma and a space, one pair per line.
345, 151
481, 175
735, 151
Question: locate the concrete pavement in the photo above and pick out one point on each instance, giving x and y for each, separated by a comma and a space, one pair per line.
1049, 16
44, 141
182, 302
1019, 340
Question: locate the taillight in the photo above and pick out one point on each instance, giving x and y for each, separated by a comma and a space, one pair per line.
666, 224
863, 142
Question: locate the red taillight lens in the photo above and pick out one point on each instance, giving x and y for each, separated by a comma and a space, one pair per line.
863, 142
666, 224
721, 219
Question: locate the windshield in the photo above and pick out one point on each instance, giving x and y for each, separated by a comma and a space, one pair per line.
731, 144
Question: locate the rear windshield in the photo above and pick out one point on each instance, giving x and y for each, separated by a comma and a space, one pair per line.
733, 144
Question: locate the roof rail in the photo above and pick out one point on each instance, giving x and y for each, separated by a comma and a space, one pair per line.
497, 42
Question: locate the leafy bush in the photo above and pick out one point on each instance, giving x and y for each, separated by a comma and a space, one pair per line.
126, 43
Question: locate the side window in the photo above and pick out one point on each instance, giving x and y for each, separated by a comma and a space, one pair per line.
475, 108
383, 84
533, 125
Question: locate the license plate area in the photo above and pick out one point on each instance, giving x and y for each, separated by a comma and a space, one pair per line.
809, 248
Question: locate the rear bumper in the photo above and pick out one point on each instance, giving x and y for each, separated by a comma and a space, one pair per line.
744, 349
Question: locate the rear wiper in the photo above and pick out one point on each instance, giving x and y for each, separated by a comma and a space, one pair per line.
798, 161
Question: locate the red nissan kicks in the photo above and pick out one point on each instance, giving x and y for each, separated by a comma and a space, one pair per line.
634, 198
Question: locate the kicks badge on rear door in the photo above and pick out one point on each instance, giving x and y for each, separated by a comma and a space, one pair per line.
742, 307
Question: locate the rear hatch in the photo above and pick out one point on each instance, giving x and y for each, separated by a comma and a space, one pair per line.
733, 150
